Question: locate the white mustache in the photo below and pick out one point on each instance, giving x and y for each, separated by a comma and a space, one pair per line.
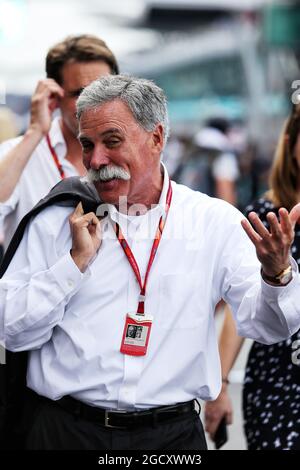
107, 173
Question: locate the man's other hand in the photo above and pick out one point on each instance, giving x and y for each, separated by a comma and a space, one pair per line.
216, 410
86, 237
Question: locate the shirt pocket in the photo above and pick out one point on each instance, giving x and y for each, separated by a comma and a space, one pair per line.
179, 301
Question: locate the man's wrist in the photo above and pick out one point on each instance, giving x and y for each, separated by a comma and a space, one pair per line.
225, 383
282, 278
34, 133
81, 262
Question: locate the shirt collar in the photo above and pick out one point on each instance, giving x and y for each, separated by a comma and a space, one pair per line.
55, 133
160, 208
164, 192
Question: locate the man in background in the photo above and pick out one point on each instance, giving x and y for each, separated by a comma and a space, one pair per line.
49, 150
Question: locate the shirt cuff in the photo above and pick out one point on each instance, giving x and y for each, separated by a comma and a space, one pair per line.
67, 275
270, 290
286, 297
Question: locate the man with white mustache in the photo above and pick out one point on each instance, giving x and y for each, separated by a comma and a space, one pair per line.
71, 296
107, 173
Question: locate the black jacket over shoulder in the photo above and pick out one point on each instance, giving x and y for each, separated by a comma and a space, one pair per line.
13, 390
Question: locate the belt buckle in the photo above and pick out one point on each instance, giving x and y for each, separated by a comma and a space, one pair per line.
106, 422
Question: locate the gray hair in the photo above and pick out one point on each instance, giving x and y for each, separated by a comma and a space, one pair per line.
146, 100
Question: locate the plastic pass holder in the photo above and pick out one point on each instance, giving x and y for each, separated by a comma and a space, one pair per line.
136, 334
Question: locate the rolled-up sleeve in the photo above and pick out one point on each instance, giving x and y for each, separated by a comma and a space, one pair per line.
36, 289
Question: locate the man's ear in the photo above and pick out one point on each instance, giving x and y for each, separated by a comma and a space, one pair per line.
158, 138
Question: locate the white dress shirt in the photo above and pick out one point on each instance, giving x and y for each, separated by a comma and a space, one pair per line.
73, 322
39, 176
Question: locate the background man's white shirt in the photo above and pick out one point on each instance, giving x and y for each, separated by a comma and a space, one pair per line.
38, 177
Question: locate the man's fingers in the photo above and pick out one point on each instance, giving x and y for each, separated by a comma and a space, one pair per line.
49, 94
274, 225
260, 232
78, 217
91, 219
78, 212
49, 86
285, 222
53, 103
258, 225
294, 215
53, 90
284, 219
252, 234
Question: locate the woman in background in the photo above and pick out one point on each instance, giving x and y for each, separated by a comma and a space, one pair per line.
271, 393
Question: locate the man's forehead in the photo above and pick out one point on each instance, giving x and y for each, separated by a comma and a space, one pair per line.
112, 116
79, 74
105, 133
107, 110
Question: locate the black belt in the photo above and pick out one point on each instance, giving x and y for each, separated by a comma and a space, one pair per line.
125, 420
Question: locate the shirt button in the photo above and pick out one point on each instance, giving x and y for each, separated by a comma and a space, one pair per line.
70, 283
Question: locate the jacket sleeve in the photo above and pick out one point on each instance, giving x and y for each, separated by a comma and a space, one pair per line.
36, 288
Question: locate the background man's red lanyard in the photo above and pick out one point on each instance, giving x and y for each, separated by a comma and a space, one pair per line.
55, 158
130, 256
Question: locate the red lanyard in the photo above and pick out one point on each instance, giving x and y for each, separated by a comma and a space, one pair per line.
130, 256
55, 158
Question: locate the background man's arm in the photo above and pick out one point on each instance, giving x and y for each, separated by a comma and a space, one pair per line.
229, 347
43, 103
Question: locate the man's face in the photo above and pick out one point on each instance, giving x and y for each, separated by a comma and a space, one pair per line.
130, 331
110, 136
75, 77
